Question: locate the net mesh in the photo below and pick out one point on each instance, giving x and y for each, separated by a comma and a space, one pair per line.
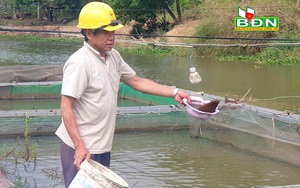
256, 131
30, 73
244, 117
126, 92
125, 122
34, 90
261, 122
41, 125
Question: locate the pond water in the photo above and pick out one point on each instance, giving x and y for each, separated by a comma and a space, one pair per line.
169, 159
274, 87
165, 159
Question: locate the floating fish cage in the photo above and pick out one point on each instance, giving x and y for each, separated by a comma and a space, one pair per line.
30, 90
265, 132
156, 113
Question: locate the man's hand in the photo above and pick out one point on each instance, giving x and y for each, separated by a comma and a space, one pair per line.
81, 153
181, 95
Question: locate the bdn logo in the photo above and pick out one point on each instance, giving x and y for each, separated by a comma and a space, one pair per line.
246, 21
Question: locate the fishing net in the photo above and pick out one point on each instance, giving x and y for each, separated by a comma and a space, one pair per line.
30, 73
39, 125
150, 110
136, 110
129, 119
30, 90
255, 120
265, 132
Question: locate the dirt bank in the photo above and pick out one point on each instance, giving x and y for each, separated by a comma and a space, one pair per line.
187, 28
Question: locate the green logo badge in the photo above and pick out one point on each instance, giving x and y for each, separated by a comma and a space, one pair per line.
247, 21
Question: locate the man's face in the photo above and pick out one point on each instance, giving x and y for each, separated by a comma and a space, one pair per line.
102, 40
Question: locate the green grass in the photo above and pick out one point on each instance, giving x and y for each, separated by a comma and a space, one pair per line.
139, 49
37, 38
220, 23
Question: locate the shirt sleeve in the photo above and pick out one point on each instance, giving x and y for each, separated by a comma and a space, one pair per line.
75, 79
126, 72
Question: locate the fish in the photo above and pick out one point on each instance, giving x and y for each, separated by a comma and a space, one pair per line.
207, 107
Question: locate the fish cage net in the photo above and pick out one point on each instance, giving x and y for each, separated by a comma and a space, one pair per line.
168, 117
141, 118
159, 111
30, 73
148, 112
264, 132
253, 120
41, 125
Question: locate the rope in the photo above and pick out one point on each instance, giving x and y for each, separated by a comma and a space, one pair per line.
191, 57
275, 98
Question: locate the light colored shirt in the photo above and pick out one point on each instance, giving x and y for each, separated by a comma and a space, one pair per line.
94, 81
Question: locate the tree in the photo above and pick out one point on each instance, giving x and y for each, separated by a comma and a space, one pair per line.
18, 9
167, 8
72, 6
178, 10
147, 13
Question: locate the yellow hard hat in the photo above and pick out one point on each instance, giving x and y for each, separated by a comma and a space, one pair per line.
98, 15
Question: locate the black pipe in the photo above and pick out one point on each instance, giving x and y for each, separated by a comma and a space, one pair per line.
148, 35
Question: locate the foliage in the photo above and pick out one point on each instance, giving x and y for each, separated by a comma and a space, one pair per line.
144, 49
37, 38
271, 56
149, 15
23, 155
22, 9
139, 11
219, 10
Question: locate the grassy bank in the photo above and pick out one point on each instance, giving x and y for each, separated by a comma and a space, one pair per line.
40, 38
217, 21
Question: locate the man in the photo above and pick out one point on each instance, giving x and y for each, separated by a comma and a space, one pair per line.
91, 78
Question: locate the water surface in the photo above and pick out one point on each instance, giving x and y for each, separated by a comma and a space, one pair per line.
167, 159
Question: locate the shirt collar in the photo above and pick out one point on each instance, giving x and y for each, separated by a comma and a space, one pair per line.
89, 47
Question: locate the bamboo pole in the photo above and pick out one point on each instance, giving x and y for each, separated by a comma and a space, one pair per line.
186, 45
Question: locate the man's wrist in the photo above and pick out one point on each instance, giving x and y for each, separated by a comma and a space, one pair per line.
175, 91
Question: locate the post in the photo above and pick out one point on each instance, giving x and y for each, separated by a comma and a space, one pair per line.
38, 10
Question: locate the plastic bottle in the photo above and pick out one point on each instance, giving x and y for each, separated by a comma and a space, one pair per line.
194, 76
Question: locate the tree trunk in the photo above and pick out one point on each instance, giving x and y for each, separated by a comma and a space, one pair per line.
178, 10
50, 14
38, 10
167, 8
298, 3
14, 13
